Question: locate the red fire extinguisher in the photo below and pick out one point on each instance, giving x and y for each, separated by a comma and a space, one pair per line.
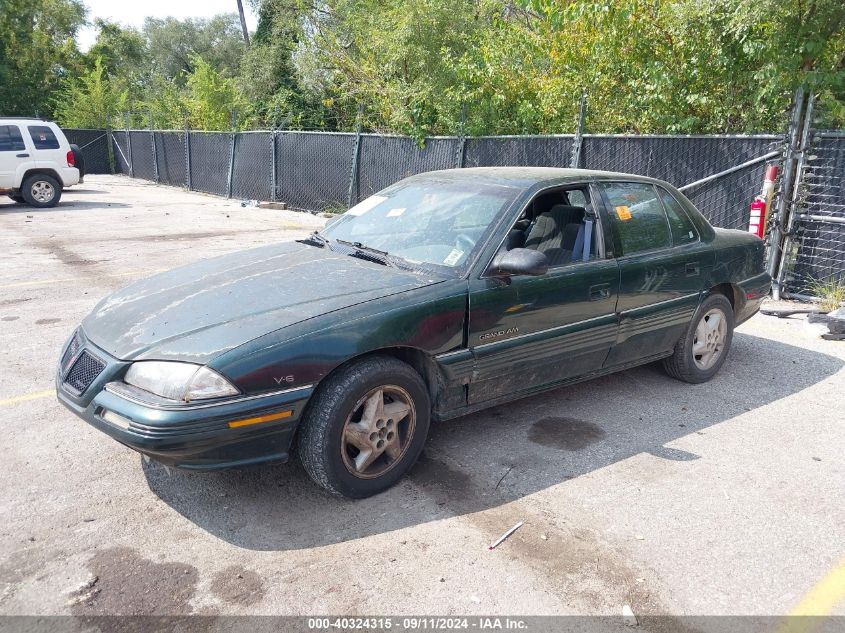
761, 204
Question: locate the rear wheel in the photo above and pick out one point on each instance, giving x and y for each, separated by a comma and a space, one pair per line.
365, 427
41, 191
703, 349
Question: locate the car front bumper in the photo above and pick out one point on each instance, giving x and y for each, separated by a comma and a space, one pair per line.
202, 436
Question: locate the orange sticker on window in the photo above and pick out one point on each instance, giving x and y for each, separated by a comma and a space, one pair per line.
623, 213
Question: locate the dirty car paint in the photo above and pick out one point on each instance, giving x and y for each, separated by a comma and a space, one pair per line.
201, 310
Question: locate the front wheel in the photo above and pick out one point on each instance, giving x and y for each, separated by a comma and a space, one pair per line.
41, 191
704, 347
365, 427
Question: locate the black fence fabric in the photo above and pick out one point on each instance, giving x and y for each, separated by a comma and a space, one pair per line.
252, 170
171, 158
384, 160
522, 151
817, 257
95, 149
681, 160
209, 161
319, 171
313, 169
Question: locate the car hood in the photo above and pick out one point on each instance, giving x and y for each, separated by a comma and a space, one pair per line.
201, 310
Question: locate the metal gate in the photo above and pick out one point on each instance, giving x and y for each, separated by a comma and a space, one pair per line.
812, 222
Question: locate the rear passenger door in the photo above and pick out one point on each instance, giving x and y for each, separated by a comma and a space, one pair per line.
11, 147
662, 265
48, 152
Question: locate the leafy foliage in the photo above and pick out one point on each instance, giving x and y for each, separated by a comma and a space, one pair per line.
37, 52
425, 67
91, 100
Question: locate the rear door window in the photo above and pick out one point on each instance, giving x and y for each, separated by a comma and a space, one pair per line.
11, 139
43, 137
637, 217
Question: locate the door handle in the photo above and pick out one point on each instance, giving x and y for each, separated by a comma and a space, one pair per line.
692, 269
21, 155
600, 291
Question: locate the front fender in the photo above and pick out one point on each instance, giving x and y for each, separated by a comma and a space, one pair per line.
428, 319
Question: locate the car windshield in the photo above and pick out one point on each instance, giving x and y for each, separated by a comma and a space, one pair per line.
425, 222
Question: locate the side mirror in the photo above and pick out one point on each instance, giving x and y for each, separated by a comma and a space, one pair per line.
521, 261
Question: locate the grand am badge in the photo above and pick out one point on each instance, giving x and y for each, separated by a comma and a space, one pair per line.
489, 335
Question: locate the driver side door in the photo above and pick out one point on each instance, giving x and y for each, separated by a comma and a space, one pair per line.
528, 332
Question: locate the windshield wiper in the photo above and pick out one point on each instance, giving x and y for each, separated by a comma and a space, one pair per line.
367, 252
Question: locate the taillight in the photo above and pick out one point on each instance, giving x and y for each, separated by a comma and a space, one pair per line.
71, 162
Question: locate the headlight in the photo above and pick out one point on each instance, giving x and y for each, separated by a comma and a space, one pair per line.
178, 381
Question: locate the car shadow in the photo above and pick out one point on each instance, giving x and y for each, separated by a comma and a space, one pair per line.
14, 208
490, 458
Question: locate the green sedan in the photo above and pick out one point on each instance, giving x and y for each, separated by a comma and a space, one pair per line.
446, 293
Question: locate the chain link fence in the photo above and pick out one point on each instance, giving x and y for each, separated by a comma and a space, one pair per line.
328, 171
94, 145
319, 171
313, 170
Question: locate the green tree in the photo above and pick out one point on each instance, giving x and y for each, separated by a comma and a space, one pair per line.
91, 100
269, 75
122, 51
212, 99
37, 51
172, 44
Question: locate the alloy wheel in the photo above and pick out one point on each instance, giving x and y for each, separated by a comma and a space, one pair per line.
42, 191
378, 431
709, 340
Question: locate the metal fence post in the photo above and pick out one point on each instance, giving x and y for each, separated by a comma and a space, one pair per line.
460, 152
153, 144
356, 153
795, 194
275, 163
575, 159
109, 147
187, 153
231, 166
784, 201
128, 143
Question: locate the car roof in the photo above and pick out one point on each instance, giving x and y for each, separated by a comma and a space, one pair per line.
525, 177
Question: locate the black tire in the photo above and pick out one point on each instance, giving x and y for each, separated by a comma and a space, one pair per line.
18, 199
78, 160
682, 364
321, 437
41, 181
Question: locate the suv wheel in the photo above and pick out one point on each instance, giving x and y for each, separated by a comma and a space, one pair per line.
704, 347
41, 191
365, 427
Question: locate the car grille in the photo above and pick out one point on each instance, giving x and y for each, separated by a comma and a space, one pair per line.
84, 371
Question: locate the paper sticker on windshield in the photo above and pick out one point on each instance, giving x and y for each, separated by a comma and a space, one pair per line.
395, 212
365, 205
623, 213
453, 257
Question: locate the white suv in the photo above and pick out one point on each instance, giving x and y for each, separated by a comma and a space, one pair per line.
36, 161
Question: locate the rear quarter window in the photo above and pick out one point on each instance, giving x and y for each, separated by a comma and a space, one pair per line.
11, 139
43, 137
683, 230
